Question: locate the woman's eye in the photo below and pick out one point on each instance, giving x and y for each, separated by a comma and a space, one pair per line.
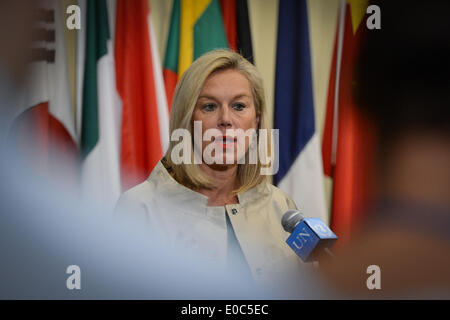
239, 106
209, 107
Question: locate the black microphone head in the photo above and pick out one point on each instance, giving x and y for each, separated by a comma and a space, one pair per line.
291, 219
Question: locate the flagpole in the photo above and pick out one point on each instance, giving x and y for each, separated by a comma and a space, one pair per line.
340, 40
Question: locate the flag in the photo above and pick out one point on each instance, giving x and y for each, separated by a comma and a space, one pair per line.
196, 27
43, 129
300, 171
145, 124
123, 112
237, 27
100, 107
347, 146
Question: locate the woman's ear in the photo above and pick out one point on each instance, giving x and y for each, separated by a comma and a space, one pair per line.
257, 122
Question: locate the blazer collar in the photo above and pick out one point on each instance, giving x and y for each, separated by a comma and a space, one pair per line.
183, 194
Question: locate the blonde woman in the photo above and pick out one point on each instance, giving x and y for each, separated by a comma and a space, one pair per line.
225, 209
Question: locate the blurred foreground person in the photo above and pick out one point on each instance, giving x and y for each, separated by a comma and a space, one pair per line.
16, 36
404, 88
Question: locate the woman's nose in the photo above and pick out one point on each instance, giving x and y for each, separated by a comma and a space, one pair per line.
224, 118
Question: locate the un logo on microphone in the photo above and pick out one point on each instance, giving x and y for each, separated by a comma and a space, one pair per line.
310, 237
322, 229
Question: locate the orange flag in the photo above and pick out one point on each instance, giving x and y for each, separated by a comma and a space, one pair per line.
348, 141
139, 83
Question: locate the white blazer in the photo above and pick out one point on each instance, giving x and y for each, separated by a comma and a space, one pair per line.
183, 218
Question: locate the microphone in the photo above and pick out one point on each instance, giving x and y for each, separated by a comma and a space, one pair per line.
309, 236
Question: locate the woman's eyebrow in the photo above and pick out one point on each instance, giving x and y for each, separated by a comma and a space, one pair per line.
206, 97
240, 95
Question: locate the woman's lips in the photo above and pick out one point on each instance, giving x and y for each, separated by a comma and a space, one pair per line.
226, 141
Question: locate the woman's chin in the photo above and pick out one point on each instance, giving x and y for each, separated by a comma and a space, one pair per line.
224, 162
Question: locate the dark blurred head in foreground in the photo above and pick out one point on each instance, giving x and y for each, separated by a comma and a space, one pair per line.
403, 78
17, 17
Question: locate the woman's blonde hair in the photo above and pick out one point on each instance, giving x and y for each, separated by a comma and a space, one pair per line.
185, 99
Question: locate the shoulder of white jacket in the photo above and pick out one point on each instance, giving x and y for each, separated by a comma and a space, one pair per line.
280, 194
275, 190
138, 192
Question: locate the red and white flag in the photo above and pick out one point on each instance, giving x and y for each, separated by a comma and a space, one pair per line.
43, 128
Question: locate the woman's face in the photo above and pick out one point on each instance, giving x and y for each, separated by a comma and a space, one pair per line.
226, 102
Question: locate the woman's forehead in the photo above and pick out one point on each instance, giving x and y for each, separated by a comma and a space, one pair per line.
229, 80
227, 75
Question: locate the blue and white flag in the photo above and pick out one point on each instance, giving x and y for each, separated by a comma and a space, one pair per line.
300, 171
